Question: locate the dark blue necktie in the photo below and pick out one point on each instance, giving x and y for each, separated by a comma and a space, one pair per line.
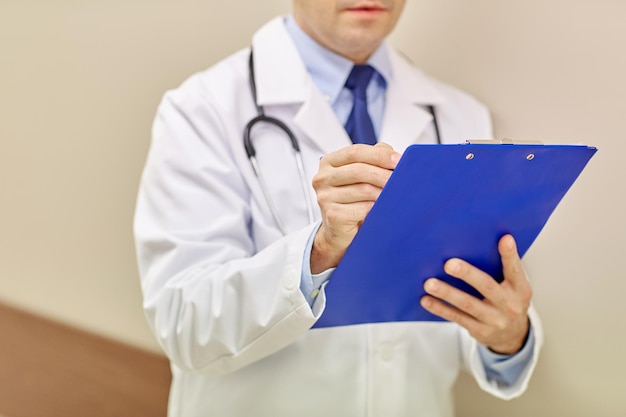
359, 125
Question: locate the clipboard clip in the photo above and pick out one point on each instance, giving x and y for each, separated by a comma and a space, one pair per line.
504, 141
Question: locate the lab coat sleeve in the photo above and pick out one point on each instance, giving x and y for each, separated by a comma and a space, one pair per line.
214, 301
473, 363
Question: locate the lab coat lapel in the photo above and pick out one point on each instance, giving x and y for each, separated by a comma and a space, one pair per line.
406, 115
282, 80
318, 122
404, 121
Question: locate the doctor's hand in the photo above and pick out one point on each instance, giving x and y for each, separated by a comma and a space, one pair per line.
500, 320
347, 184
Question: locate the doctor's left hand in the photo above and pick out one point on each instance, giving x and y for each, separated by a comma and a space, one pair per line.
500, 320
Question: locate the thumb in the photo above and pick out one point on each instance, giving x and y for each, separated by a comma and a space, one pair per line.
386, 152
383, 145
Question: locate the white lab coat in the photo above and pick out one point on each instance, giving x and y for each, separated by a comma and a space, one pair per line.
220, 283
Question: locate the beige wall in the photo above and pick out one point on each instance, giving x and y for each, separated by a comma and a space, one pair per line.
552, 70
79, 83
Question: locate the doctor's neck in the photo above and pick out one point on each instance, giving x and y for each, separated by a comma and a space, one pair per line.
352, 29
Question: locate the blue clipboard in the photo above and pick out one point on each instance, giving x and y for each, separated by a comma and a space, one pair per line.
445, 201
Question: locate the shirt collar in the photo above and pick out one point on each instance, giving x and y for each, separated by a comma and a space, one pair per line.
329, 70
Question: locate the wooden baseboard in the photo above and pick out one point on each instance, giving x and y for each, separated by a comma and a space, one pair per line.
51, 370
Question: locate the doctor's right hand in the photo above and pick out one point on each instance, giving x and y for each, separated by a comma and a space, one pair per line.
347, 184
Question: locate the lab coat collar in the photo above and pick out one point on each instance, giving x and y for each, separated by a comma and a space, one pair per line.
280, 73
282, 79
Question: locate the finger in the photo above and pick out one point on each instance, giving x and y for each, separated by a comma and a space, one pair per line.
511, 263
381, 155
351, 193
439, 308
360, 173
484, 283
384, 145
346, 216
463, 301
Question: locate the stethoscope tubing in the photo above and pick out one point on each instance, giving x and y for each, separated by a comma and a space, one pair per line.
251, 151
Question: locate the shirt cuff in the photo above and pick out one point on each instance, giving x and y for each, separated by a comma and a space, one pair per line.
310, 284
506, 369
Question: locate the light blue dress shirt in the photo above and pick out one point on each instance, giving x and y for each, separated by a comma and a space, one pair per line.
329, 72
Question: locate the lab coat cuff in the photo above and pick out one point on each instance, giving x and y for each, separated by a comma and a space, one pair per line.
502, 389
311, 284
507, 368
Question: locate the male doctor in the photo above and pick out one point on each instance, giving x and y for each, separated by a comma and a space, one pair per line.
232, 298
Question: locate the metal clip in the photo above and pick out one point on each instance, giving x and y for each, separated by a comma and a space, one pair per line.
504, 141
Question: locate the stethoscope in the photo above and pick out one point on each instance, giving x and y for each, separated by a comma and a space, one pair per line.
251, 152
